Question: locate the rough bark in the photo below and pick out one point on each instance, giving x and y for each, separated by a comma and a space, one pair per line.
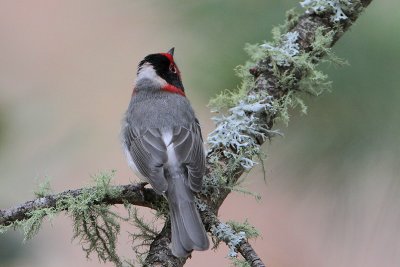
249, 254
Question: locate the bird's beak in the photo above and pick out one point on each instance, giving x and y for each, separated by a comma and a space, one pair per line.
171, 51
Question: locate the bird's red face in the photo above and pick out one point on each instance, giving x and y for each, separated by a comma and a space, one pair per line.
163, 67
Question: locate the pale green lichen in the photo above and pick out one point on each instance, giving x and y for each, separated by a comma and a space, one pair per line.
233, 234
334, 6
229, 98
313, 81
240, 128
216, 181
238, 131
237, 135
240, 262
246, 227
284, 54
146, 232
5, 228
224, 232
213, 182
31, 226
94, 225
97, 229
201, 205
43, 189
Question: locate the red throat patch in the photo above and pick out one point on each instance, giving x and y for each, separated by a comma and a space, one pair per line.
173, 89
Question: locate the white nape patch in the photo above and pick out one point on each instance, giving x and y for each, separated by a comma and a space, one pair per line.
147, 71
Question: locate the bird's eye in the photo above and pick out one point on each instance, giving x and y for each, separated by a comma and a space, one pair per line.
172, 68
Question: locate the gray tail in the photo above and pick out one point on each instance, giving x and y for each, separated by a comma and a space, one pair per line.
187, 229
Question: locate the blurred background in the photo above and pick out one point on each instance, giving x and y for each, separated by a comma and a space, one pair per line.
66, 72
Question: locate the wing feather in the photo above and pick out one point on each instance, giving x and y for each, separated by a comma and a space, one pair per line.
148, 153
188, 145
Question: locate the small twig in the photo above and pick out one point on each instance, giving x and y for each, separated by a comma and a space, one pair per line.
250, 255
244, 247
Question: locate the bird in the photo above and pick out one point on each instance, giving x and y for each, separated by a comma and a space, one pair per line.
162, 140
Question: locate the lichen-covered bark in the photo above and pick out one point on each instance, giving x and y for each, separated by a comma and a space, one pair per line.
250, 255
160, 254
264, 79
134, 194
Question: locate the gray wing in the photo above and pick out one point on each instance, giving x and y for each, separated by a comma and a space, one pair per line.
149, 155
188, 144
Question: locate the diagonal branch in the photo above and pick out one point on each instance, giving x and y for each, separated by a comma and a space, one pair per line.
249, 254
210, 219
264, 80
160, 254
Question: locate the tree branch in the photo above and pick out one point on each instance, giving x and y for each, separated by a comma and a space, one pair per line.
160, 254
249, 254
135, 194
264, 80
210, 219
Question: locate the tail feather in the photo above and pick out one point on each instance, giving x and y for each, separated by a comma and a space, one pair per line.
188, 232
